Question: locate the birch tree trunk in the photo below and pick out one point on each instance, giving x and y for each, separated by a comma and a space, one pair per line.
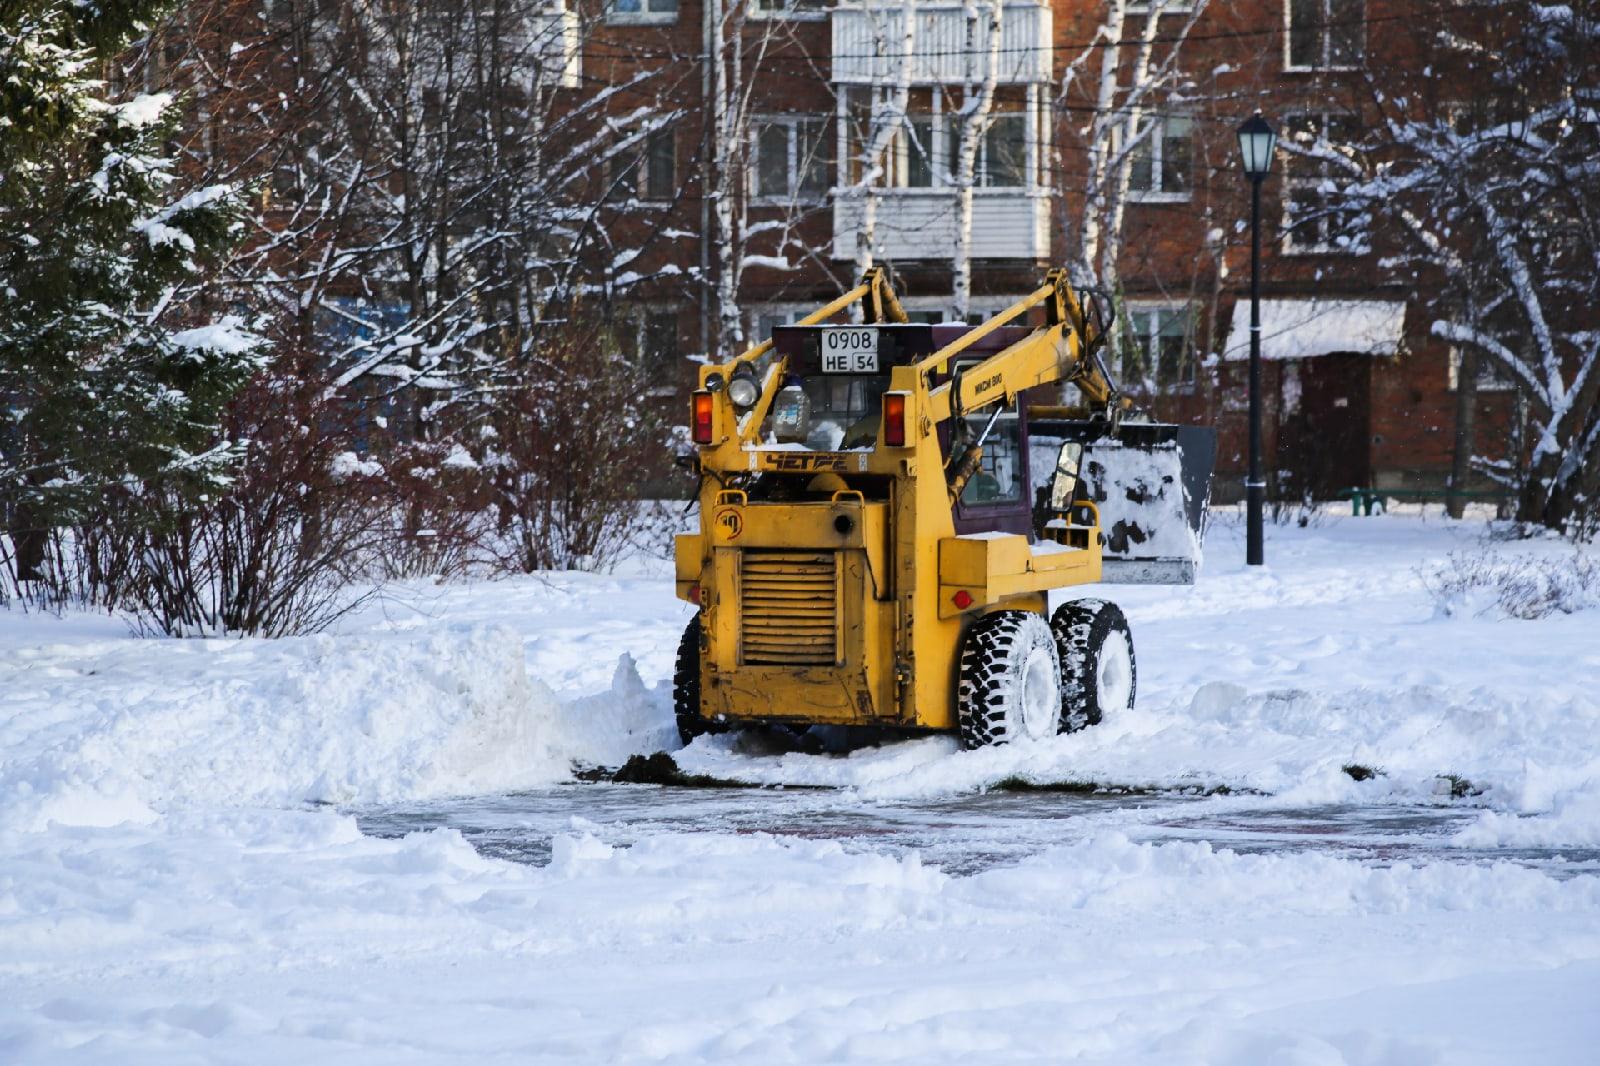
977, 108
888, 106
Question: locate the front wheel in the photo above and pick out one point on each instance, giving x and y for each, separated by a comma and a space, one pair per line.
1010, 686
1098, 673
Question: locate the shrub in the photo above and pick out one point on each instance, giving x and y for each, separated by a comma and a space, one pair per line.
1519, 586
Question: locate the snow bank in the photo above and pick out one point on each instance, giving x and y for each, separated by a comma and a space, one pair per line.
1295, 743
105, 732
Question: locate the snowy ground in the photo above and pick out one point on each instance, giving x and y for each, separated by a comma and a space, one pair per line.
181, 879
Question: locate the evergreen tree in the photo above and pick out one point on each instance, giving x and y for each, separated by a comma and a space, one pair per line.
111, 381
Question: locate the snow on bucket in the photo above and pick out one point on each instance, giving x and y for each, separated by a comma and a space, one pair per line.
1151, 484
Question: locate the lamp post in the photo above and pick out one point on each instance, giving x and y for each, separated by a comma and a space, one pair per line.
1257, 139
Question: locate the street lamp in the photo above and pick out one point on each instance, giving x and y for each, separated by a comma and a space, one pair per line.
1257, 139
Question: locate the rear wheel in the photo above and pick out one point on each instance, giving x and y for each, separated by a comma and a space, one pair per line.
1010, 687
1098, 671
686, 686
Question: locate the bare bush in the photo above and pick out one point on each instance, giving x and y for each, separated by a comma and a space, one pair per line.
574, 444
441, 520
1519, 586
279, 552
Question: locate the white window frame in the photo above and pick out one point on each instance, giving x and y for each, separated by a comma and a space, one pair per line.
1171, 7
1158, 142
942, 147
787, 12
791, 124
1492, 377
1154, 308
1288, 30
642, 17
1289, 244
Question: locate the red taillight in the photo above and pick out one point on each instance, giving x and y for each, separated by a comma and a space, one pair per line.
894, 419
962, 599
701, 423
694, 593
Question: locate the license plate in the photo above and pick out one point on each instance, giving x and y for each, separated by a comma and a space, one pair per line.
849, 350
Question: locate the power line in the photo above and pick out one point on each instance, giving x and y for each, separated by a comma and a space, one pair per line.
792, 44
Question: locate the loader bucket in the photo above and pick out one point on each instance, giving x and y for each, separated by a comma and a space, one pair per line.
1151, 483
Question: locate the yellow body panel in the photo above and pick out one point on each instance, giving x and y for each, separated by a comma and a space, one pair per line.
842, 611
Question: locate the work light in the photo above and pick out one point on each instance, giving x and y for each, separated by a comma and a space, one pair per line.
742, 387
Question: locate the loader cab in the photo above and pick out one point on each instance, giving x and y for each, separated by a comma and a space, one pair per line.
997, 499
831, 401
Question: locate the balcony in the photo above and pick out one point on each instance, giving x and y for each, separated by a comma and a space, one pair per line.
921, 224
867, 43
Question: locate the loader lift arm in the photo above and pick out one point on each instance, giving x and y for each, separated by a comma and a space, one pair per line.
1067, 348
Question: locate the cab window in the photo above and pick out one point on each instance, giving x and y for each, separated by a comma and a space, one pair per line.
998, 479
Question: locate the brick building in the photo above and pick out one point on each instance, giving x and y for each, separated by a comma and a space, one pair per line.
1357, 391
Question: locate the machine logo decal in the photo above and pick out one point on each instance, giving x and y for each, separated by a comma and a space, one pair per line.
731, 522
802, 462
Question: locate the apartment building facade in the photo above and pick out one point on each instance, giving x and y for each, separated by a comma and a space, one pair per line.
780, 106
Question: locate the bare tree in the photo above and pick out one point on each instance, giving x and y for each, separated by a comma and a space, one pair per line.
1496, 195
1120, 101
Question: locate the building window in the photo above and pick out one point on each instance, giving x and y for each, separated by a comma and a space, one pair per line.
1492, 377
649, 339
646, 170
1317, 219
793, 158
642, 11
1161, 164
1159, 347
1004, 160
1002, 154
1162, 7
926, 150
1326, 34
791, 9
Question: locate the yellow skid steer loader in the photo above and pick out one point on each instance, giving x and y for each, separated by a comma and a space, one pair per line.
884, 507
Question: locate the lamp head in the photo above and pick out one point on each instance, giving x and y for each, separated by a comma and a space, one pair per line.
1257, 139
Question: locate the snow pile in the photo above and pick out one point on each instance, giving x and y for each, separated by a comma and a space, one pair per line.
1568, 818
626, 719
101, 733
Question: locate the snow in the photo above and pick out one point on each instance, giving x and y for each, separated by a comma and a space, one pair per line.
143, 110
228, 337
104, 732
175, 887
1301, 329
349, 464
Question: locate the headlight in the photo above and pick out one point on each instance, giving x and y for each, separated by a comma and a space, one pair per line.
743, 390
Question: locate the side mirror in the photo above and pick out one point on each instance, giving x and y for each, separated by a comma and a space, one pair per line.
1065, 482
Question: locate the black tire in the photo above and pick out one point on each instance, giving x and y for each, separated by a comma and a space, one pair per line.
686, 686
1005, 658
1092, 675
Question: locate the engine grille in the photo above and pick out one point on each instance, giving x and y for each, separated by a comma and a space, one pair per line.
787, 608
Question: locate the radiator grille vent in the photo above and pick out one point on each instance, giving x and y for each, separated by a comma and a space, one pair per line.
787, 608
